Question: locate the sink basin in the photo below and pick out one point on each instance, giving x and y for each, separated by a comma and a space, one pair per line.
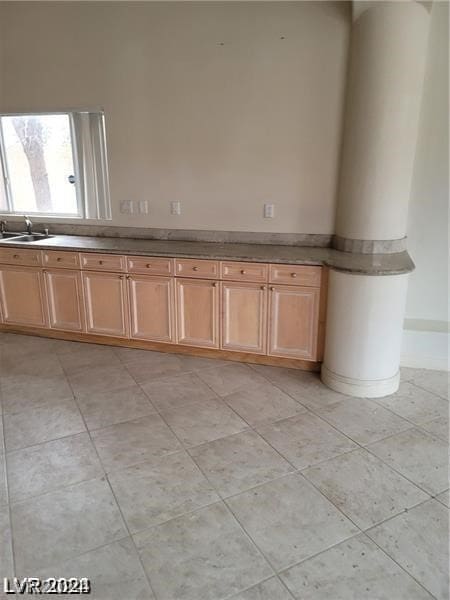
6, 235
28, 237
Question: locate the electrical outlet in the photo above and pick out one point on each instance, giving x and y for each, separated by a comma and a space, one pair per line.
175, 208
269, 211
126, 207
143, 207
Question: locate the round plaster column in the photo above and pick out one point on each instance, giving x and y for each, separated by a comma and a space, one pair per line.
366, 311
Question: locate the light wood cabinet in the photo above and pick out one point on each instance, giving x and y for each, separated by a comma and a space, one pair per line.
22, 296
244, 317
106, 303
151, 308
293, 321
197, 312
65, 299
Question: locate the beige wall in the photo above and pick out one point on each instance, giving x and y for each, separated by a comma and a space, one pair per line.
222, 129
429, 205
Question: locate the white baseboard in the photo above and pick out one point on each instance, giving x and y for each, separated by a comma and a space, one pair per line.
425, 350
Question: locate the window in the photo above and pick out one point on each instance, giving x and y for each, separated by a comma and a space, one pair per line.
54, 164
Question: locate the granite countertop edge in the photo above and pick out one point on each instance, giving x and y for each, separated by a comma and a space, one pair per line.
348, 262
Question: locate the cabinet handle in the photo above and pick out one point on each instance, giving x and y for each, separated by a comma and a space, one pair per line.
195, 268
242, 271
293, 274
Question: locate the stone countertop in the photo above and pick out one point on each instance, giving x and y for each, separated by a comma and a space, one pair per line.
363, 264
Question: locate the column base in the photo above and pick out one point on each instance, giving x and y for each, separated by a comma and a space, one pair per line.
375, 388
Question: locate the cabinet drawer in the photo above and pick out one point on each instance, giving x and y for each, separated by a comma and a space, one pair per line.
65, 260
150, 266
243, 271
204, 269
295, 275
102, 262
17, 256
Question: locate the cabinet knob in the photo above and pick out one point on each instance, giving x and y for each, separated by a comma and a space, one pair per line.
100, 262
242, 271
120, 276
293, 274
272, 289
149, 266
195, 268
263, 287
16, 256
215, 284
59, 259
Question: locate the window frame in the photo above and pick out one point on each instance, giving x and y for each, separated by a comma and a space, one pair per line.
83, 203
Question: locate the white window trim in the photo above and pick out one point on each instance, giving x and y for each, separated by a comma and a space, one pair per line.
88, 138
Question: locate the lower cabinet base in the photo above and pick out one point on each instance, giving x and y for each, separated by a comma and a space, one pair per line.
258, 359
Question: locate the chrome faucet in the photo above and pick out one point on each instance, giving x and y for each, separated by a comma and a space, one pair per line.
28, 224
2, 227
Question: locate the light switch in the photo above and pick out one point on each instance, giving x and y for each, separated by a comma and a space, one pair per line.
126, 207
269, 211
175, 208
143, 207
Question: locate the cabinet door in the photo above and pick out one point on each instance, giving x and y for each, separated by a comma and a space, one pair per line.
65, 299
198, 312
22, 296
106, 303
293, 321
244, 317
151, 308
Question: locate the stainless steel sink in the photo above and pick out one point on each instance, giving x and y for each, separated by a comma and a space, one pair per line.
28, 237
6, 235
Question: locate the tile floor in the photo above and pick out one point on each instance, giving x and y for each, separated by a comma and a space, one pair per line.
163, 477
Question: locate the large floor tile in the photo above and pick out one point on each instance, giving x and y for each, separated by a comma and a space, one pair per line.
15, 343
42, 424
152, 365
239, 462
197, 363
3, 488
158, 490
418, 541
45, 365
306, 439
438, 427
115, 572
101, 409
47, 467
271, 589
231, 378
177, 390
420, 457
303, 386
204, 421
136, 441
433, 381
200, 556
416, 404
20, 393
6, 552
353, 570
88, 358
61, 525
264, 403
289, 520
100, 379
362, 420
364, 488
